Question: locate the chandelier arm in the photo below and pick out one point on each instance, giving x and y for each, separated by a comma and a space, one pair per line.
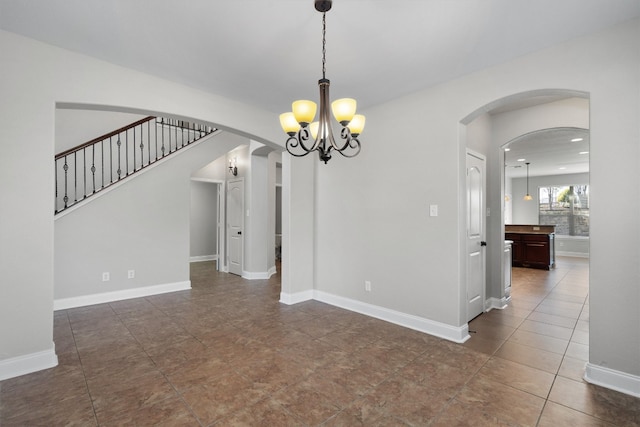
351, 142
303, 136
355, 153
345, 135
324, 151
291, 144
296, 141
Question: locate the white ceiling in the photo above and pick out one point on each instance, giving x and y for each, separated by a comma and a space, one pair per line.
268, 52
549, 152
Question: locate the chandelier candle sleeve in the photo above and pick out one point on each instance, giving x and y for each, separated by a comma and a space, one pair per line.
305, 135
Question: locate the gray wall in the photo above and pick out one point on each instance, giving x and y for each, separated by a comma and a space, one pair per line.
204, 215
141, 226
375, 205
36, 77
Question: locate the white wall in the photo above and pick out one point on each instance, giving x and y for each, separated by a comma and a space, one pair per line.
260, 241
75, 127
214, 171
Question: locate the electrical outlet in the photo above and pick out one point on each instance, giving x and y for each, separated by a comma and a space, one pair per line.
131, 274
367, 286
105, 276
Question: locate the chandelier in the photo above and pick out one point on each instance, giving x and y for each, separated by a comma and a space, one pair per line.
305, 135
528, 196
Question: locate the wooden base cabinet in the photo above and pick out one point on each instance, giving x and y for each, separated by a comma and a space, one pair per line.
534, 250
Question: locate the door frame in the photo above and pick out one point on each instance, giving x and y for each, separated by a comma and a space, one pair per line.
220, 219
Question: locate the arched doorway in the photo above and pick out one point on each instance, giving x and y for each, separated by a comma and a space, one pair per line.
488, 130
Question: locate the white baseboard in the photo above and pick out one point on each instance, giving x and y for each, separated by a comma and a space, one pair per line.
296, 298
201, 258
259, 275
81, 301
496, 303
610, 378
21, 365
273, 270
457, 334
572, 254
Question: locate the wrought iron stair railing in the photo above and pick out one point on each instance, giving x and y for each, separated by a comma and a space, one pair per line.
91, 167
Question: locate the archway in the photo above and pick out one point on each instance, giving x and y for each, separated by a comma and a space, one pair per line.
488, 129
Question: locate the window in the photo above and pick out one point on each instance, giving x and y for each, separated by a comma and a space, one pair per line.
566, 207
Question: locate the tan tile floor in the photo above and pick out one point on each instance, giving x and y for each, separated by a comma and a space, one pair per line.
227, 353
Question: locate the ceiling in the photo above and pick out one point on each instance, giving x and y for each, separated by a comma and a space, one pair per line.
549, 152
268, 52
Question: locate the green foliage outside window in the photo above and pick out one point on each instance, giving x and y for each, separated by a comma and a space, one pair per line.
566, 207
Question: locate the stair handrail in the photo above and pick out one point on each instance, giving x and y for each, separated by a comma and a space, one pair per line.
103, 137
78, 177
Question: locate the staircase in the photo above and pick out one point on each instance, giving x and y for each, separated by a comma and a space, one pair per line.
89, 168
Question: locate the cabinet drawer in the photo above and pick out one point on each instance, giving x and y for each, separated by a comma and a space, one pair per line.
535, 237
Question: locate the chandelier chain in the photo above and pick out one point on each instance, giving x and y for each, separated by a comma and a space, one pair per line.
324, 44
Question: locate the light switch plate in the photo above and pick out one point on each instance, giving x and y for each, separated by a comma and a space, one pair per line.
433, 210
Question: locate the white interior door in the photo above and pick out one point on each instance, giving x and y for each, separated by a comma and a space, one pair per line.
475, 234
235, 225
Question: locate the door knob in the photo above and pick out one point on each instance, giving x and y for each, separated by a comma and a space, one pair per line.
239, 232
483, 243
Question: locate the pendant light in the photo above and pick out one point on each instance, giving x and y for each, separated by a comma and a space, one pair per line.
306, 136
527, 196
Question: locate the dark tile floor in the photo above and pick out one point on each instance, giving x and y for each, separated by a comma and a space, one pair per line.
227, 353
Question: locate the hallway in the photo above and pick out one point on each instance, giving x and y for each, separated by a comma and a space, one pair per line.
227, 353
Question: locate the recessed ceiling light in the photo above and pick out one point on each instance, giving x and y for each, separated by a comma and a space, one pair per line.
521, 160
562, 168
583, 152
577, 139
507, 149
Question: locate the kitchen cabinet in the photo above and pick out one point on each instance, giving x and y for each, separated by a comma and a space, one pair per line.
533, 246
